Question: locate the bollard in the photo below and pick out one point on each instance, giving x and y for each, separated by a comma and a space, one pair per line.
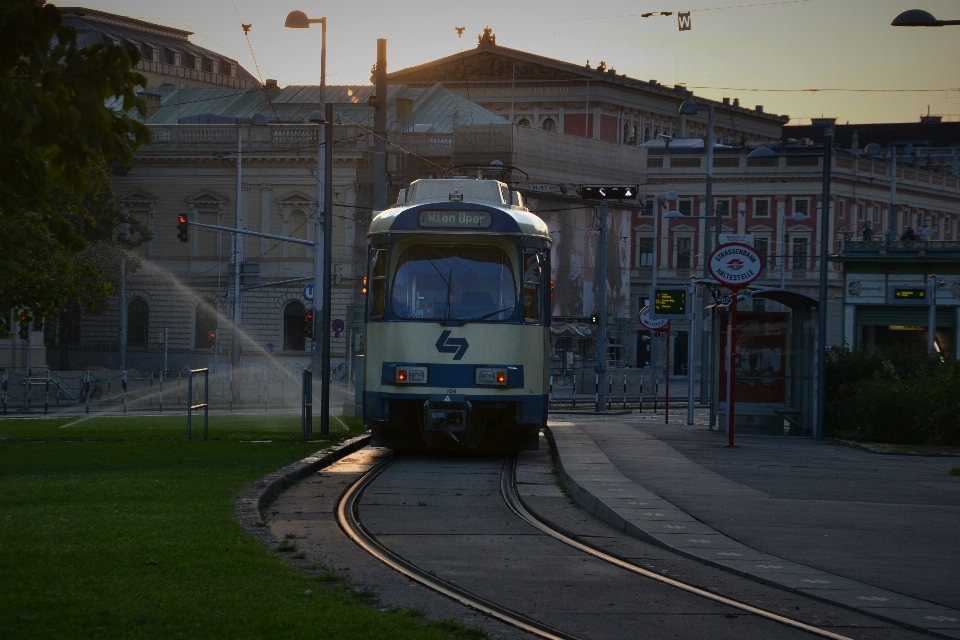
3, 392
46, 395
574, 391
86, 390
596, 388
609, 391
123, 390
624, 391
161, 391
306, 405
551, 388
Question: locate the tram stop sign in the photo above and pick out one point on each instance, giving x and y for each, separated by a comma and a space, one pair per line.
735, 265
650, 323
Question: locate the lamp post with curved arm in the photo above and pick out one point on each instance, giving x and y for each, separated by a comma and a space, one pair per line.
920, 18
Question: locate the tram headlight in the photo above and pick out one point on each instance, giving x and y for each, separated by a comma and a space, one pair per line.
411, 375
491, 376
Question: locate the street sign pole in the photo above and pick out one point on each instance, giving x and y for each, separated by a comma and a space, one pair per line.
731, 363
691, 358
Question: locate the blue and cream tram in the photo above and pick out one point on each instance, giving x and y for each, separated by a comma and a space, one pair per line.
458, 319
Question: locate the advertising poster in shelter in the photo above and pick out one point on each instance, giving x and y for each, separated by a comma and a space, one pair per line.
760, 364
574, 259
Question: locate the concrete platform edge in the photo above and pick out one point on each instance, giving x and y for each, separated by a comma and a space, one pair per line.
608, 515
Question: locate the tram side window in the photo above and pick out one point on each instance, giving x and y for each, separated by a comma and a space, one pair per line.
378, 283
532, 276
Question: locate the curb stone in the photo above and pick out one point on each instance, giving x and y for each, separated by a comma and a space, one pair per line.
262, 491
591, 463
865, 447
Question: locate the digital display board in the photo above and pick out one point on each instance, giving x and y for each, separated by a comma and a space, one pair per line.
670, 302
433, 219
909, 294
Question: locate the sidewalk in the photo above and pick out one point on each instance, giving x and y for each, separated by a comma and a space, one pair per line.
879, 534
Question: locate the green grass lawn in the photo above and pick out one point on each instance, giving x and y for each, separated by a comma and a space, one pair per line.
117, 528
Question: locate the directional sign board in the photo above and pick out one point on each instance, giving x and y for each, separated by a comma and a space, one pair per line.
743, 238
650, 323
308, 291
671, 303
735, 265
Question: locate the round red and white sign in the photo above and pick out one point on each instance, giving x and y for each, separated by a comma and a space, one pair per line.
735, 265
650, 323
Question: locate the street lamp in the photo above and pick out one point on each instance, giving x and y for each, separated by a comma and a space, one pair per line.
690, 107
920, 18
321, 250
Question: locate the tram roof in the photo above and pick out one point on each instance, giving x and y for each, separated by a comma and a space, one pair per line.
490, 195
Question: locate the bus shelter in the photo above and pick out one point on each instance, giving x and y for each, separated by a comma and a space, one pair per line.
773, 365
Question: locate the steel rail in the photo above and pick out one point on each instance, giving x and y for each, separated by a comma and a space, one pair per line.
508, 488
348, 518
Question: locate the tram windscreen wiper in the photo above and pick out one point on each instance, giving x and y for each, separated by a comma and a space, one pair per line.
484, 316
447, 281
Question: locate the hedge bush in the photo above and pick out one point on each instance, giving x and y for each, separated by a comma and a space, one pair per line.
892, 396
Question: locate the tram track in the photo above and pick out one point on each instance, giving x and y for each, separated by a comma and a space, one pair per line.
349, 520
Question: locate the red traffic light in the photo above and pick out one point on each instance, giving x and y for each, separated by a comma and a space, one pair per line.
213, 335
182, 219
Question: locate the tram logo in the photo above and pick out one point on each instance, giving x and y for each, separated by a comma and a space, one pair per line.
446, 344
735, 264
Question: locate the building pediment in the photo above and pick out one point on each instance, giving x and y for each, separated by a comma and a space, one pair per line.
491, 63
138, 197
760, 228
206, 198
297, 198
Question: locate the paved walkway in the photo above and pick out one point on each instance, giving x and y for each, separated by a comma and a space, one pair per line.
880, 534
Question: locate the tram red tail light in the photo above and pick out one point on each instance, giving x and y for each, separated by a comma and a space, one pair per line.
411, 375
491, 376
551, 289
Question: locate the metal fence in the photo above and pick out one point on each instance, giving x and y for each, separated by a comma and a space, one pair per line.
249, 387
625, 387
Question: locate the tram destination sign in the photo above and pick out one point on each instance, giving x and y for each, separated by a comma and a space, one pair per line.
735, 265
670, 303
438, 219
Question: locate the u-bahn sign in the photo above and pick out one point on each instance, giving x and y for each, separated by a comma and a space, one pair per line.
735, 265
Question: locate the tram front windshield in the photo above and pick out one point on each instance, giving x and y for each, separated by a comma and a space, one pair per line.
466, 283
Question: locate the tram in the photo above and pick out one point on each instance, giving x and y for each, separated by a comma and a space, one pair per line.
457, 339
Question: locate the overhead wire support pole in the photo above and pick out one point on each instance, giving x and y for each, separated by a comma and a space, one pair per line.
601, 279
821, 341
380, 130
327, 251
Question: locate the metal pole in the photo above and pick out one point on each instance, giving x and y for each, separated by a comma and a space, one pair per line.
123, 314
238, 241
666, 371
783, 252
932, 318
691, 360
705, 371
189, 404
327, 251
822, 303
321, 199
380, 131
731, 377
166, 342
206, 402
893, 195
601, 279
656, 241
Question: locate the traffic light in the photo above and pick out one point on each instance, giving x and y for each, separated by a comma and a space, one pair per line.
363, 290
609, 193
182, 228
308, 323
24, 332
594, 319
213, 335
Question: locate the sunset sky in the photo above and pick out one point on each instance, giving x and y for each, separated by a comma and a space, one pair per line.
763, 52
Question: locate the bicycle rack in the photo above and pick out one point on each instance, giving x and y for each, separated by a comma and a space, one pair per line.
205, 405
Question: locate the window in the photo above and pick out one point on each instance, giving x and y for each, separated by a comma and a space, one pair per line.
841, 209
549, 125
455, 283
860, 212
298, 227
644, 251
799, 254
802, 206
723, 206
762, 245
647, 209
294, 327
646, 134
523, 122
684, 253
206, 325
378, 282
533, 264
138, 327
761, 208
876, 215
685, 207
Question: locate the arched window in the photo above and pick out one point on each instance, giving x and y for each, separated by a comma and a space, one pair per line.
549, 125
646, 134
633, 135
294, 325
138, 323
298, 226
626, 132
206, 325
523, 122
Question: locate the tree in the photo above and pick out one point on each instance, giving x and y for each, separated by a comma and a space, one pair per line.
57, 132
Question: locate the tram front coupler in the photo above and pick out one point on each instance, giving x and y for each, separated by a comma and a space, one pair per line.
448, 413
